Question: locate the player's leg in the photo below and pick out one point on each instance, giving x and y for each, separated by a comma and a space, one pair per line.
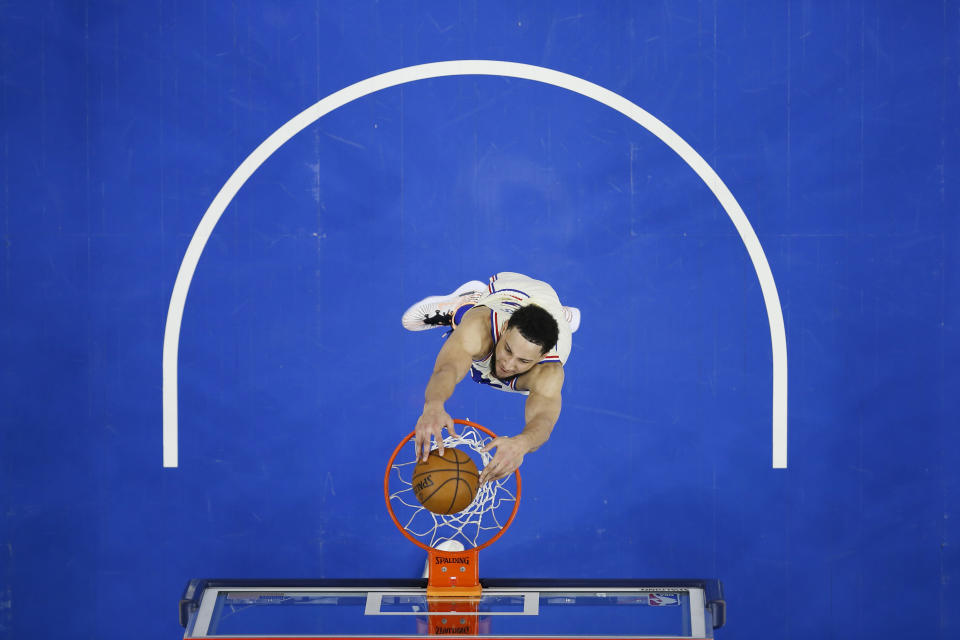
572, 316
535, 289
443, 311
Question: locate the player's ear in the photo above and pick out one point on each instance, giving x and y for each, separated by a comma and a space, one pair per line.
503, 326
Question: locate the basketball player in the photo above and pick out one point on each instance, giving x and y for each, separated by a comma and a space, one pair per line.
513, 335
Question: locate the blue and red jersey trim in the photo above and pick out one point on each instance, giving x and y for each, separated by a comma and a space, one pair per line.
492, 289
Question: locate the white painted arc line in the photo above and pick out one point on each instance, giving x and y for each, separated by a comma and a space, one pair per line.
472, 67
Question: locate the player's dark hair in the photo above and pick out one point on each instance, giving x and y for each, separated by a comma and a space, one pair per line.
536, 325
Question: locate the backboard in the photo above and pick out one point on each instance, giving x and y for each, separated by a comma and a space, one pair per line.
555, 609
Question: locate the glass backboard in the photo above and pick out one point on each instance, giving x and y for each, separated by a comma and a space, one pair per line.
225, 609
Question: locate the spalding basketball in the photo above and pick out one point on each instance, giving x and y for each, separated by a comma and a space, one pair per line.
446, 484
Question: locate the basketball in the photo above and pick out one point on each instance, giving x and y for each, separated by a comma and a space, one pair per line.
446, 484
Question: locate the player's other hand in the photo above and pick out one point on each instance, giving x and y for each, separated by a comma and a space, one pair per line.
431, 422
509, 456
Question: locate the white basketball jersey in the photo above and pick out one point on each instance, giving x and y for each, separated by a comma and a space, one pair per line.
507, 292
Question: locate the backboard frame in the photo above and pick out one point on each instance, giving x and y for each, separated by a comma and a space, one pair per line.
707, 606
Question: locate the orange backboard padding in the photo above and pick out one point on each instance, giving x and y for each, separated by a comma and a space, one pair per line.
453, 573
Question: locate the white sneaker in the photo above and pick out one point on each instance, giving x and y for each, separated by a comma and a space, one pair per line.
572, 316
437, 311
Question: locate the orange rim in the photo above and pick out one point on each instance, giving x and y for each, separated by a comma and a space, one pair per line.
393, 516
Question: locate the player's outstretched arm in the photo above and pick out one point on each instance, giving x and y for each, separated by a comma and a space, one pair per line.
451, 366
541, 412
543, 405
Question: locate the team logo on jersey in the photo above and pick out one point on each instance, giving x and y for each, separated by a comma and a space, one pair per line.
477, 376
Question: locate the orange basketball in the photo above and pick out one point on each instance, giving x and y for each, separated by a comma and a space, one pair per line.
446, 484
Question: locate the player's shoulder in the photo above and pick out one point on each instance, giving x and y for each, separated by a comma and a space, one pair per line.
473, 332
546, 379
477, 317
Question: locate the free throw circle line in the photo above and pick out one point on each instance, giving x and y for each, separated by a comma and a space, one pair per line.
171, 338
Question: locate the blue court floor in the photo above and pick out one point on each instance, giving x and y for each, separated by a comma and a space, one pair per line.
834, 127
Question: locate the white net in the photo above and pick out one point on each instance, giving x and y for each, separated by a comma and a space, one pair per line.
480, 521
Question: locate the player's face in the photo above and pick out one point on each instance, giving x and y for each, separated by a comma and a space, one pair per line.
514, 354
